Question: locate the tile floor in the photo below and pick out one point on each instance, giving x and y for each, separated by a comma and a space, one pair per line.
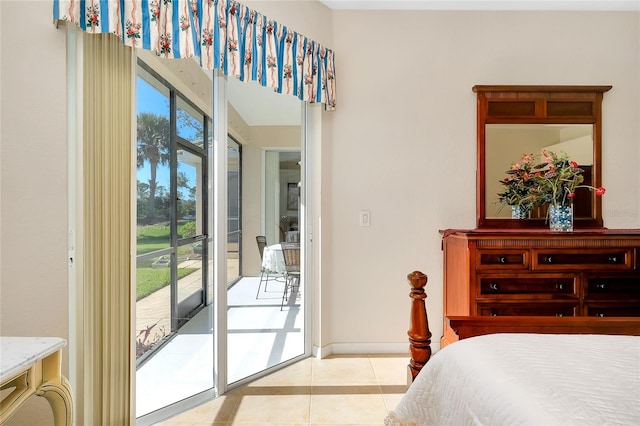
338, 390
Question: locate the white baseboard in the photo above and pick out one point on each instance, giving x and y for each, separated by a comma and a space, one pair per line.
366, 348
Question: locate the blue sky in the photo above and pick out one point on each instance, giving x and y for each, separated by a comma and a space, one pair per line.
149, 99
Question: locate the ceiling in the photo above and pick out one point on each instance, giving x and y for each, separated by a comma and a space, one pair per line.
484, 4
262, 106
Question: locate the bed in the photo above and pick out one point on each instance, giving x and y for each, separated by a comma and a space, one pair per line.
522, 371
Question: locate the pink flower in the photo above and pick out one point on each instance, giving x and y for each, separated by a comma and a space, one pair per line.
527, 158
571, 194
600, 191
573, 164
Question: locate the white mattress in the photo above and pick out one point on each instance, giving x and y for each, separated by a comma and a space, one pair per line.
527, 379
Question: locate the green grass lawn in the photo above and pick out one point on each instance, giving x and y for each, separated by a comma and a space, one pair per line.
155, 237
151, 238
150, 280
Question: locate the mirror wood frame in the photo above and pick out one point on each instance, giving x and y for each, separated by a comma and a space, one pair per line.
508, 104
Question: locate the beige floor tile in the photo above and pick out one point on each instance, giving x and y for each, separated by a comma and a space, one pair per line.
339, 390
270, 424
347, 409
391, 401
215, 412
255, 390
191, 423
390, 370
342, 370
298, 374
273, 409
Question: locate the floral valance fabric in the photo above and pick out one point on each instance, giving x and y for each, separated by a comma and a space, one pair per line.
224, 34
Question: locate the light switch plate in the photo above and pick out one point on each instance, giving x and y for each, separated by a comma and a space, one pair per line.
365, 218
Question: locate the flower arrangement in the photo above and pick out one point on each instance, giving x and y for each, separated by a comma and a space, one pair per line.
553, 181
557, 179
519, 185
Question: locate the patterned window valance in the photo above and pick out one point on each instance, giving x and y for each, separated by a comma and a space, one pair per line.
224, 34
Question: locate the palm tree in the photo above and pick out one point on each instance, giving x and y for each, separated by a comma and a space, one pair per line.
153, 146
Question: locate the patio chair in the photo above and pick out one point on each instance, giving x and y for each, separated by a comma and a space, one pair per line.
261, 240
291, 254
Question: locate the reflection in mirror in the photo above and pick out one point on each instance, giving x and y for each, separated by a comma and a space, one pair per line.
506, 143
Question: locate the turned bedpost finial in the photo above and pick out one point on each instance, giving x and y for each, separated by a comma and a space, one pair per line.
419, 334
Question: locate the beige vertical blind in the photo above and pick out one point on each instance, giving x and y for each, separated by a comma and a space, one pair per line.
107, 138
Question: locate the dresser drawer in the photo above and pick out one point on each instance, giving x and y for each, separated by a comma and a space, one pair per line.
527, 284
528, 309
612, 309
592, 259
502, 259
616, 287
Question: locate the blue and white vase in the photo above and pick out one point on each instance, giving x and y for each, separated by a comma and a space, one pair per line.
561, 218
520, 212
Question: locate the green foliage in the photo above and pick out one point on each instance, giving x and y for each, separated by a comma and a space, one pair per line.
519, 185
153, 134
558, 179
188, 229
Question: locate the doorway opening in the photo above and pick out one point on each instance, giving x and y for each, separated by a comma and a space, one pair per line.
266, 329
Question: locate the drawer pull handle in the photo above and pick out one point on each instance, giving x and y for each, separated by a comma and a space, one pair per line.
600, 314
560, 286
502, 259
613, 259
548, 259
601, 286
493, 286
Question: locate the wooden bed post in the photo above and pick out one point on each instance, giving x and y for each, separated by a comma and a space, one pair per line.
419, 334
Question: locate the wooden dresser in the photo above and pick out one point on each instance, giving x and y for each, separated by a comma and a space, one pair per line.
540, 273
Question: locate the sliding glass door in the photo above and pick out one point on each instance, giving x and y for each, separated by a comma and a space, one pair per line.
260, 177
174, 341
266, 301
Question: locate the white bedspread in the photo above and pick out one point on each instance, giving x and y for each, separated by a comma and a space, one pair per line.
527, 379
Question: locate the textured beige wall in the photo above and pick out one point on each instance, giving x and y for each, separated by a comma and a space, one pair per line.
33, 179
404, 141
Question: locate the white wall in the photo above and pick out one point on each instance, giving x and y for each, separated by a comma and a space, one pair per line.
403, 142
33, 176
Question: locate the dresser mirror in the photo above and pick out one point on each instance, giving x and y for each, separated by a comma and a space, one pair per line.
502, 151
517, 120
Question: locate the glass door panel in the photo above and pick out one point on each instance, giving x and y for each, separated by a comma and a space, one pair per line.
153, 232
189, 126
265, 318
234, 224
191, 279
174, 330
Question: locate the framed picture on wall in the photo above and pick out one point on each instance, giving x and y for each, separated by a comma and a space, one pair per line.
292, 196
